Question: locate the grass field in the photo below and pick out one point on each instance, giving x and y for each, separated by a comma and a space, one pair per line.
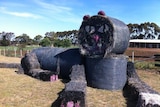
18, 90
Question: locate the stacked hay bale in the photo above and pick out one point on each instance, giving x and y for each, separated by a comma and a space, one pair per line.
103, 41
145, 95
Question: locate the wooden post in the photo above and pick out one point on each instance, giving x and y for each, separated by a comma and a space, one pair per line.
0, 51
133, 56
27, 51
15, 52
20, 53
4, 52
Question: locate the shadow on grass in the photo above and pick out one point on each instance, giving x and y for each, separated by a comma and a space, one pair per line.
131, 98
57, 102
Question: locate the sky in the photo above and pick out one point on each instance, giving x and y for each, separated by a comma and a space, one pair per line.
36, 17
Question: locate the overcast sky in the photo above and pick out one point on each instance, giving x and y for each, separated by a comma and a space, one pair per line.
35, 17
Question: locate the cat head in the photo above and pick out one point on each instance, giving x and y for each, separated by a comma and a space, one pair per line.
95, 35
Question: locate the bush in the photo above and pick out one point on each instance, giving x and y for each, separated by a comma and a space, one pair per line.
145, 65
62, 43
45, 42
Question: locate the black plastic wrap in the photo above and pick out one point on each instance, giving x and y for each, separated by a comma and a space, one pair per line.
107, 73
49, 57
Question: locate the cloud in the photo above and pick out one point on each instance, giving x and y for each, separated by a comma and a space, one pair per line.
53, 7
58, 10
23, 14
19, 14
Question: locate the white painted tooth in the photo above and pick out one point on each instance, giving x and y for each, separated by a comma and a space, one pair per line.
106, 28
92, 29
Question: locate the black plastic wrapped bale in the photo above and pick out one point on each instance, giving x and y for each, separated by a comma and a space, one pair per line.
100, 35
107, 73
50, 58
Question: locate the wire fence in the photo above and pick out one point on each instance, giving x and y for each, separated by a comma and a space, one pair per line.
146, 62
13, 53
154, 60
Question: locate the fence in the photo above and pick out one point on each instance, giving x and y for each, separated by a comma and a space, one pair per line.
20, 53
13, 53
148, 61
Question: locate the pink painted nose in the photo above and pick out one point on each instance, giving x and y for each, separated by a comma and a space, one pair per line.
96, 38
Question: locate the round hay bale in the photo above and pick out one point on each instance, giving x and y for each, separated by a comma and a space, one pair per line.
100, 35
107, 73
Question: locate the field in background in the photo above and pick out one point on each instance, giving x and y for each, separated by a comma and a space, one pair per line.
18, 90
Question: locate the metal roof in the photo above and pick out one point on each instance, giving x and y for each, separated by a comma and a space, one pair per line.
144, 40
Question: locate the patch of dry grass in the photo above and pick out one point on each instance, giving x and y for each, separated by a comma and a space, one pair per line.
105, 98
24, 91
10, 59
17, 90
151, 78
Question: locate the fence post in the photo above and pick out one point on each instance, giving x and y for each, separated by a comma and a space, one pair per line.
15, 52
20, 53
4, 52
133, 56
0, 51
27, 51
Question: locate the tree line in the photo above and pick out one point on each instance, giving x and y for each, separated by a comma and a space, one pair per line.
145, 30
50, 39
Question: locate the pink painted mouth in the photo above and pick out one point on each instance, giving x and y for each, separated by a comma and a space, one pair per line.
96, 38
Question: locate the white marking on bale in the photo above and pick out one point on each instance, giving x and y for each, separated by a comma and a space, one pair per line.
83, 52
150, 98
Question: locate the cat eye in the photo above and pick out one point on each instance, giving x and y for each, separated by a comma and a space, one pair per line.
87, 28
106, 28
101, 29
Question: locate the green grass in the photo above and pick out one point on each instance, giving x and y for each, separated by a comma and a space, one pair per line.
12, 48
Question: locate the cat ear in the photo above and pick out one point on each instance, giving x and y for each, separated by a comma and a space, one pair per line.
86, 17
101, 13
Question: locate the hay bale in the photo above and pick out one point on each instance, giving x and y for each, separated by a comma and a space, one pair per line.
145, 95
75, 90
31, 61
10, 65
75, 97
41, 74
107, 73
78, 73
100, 35
50, 58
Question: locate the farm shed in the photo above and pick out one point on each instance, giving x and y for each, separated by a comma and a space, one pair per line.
144, 43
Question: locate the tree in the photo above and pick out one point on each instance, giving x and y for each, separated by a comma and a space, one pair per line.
23, 39
5, 38
45, 42
37, 39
